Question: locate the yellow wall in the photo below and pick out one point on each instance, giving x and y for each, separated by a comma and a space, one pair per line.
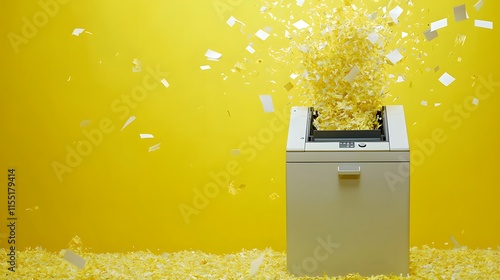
121, 197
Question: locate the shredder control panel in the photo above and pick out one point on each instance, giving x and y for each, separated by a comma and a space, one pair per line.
346, 144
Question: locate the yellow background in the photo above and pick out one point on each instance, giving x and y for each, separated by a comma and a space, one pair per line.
121, 197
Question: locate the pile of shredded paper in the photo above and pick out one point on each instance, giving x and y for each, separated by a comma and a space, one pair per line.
425, 263
343, 66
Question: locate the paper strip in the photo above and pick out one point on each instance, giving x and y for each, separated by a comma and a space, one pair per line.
146, 135
483, 24
165, 83
439, 24
205, 67
154, 147
75, 259
446, 79
460, 13
352, 74
130, 120
267, 103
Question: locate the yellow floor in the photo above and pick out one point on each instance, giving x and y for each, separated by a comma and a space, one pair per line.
426, 263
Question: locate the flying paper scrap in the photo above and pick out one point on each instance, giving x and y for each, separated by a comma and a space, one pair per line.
446, 79
394, 56
205, 67
423, 103
154, 147
300, 2
130, 120
301, 24
75, 259
395, 13
460, 13
165, 83
146, 135
77, 31
483, 24
478, 5
250, 49
213, 55
261, 34
430, 35
475, 101
439, 24
267, 103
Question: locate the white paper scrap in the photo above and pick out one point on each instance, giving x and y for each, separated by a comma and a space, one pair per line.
77, 31
75, 259
395, 13
475, 101
437, 104
404, 34
394, 56
210, 54
146, 135
423, 103
130, 120
439, 24
154, 147
231, 21
301, 24
261, 34
165, 83
430, 35
250, 49
300, 2
483, 24
267, 103
254, 266
294, 76
84, 123
205, 67
460, 13
478, 5
352, 74
400, 79
263, 9
446, 79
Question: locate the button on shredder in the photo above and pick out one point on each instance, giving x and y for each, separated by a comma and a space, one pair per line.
362, 145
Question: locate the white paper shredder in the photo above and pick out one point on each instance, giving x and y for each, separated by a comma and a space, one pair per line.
347, 197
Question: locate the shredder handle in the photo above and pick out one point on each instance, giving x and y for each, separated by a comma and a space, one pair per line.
349, 171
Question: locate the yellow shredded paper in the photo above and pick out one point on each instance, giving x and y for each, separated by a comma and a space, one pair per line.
425, 263
342, 65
